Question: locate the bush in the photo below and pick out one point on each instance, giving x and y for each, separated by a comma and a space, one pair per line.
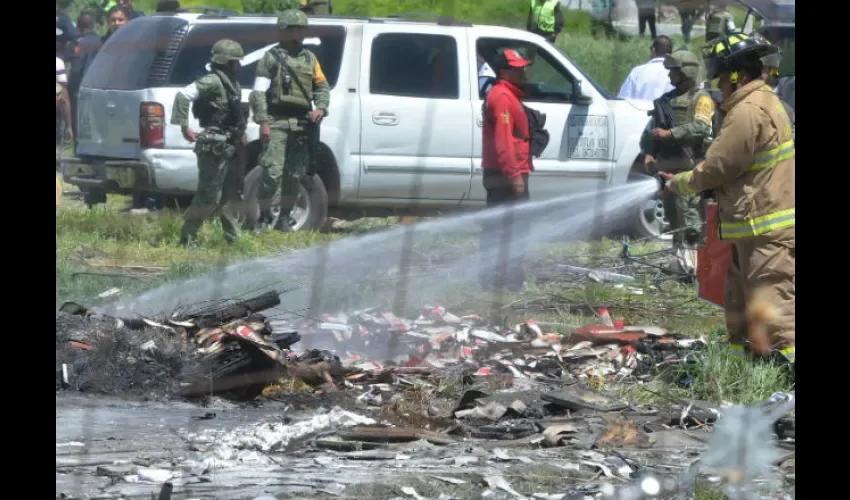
267, 6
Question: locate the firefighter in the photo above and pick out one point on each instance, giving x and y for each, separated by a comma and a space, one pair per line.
750, 168
770, 74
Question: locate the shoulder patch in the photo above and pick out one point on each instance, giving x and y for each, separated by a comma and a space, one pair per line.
318, 74
704, 109
506, 117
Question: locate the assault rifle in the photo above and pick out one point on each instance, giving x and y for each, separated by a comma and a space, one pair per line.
663, 118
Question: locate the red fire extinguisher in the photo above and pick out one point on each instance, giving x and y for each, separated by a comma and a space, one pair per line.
712, 260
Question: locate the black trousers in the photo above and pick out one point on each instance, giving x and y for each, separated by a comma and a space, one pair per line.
504, 237
646, 16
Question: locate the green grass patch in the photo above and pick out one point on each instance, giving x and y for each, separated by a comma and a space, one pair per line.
106, 246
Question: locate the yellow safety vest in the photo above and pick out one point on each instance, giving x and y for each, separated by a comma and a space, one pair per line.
543, 14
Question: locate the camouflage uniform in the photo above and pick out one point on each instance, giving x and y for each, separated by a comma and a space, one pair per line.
719, 24
278, 100
693, 111
217, 105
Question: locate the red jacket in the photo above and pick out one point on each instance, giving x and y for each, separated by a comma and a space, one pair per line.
504, 120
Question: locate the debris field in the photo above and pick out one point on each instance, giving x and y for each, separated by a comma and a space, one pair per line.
440, 406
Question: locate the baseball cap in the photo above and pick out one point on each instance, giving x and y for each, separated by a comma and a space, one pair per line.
511, 58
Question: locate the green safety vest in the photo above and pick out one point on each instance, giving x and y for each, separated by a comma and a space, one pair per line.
543, 14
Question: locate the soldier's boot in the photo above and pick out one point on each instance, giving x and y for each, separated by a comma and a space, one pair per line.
264, 221
283, 223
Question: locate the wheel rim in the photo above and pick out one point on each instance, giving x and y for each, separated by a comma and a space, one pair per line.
300, 211
653, 218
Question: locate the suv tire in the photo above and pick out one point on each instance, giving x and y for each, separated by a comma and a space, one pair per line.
311, 207
649, 220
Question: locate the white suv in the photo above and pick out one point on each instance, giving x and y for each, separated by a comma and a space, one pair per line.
404, 130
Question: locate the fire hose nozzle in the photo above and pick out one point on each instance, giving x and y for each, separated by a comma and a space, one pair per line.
661, 182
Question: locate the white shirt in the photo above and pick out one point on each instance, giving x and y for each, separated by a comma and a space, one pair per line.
647, 81
61, 77
485, 73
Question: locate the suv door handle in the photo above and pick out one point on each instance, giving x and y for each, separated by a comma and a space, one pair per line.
384, 118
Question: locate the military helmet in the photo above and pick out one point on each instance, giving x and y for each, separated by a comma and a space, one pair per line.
734, 52
686, 61
226, 50
292, 18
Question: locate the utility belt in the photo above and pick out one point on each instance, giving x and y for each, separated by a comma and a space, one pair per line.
288, 111
216, 141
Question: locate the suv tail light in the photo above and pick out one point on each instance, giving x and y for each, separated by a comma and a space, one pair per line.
151, 125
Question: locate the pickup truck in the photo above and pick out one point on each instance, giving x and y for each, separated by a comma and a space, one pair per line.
403, 135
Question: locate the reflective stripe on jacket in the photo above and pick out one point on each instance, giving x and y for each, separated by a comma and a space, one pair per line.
543, 14
750, 165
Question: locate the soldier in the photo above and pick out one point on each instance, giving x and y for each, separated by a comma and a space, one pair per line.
217, 103
719, 24
679, 147
750, 166
290, 97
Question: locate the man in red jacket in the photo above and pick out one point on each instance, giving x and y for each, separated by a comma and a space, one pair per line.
506, 160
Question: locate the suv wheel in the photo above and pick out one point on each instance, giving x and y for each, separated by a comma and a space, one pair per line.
651, 221
310, 211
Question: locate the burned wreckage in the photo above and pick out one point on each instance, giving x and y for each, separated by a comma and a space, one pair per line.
457, 394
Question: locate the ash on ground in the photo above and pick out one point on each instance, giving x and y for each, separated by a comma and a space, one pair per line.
97, 355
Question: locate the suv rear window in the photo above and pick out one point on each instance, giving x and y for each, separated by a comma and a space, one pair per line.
125, 60
195, 52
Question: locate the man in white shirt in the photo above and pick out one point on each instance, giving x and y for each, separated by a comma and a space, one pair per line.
651, 80
486, 75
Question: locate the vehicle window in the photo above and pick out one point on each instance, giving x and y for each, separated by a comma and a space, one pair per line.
547, 79
124, 62
326, 42
414, 66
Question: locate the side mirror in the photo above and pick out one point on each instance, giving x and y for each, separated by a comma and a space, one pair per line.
578, 97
